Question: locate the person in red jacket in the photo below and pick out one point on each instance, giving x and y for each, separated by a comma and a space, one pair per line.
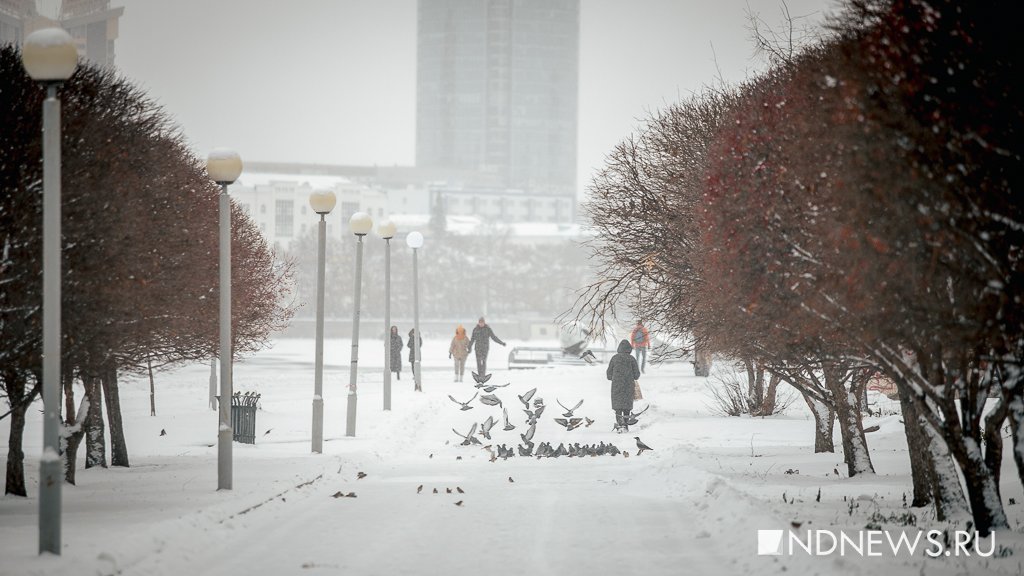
640, 338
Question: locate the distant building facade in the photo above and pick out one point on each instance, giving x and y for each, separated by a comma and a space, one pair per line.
496, 95
92, 23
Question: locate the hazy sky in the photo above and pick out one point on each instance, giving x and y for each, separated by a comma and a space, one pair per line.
334, 81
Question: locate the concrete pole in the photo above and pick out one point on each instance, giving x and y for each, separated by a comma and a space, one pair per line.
350, 422
387, 324
225, 431
416, 320
318, 385
51, 475
213, 384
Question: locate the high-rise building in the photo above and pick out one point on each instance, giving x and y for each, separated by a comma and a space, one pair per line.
496, 85
92, 23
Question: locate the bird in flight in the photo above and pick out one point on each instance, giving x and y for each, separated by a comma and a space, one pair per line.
571, 423
465, 405
485, 428
569, 411
490, 400
525, 398
508, 425
492, 387
468, 438
481, 379
641, 446
528, 435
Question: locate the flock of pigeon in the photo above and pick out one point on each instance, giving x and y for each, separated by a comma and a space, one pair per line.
534, 408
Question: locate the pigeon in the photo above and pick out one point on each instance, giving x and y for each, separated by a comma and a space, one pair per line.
448, 490
361, 475
510, 479
528, 436
460, 490
163, 431
493, 387
459, 503
465, 405
569, 411
525, 398
632, 418
468, 438
571, 423
508, 425
641, 446
268, 431
589, 421
524, 451
490, 400
533, 416
485, 428
481, 379
419, 489
435, 491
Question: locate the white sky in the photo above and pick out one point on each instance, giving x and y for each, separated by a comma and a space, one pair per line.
334, 81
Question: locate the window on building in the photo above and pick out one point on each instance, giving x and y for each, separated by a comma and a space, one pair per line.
347, 210
303, 209
263, 208
284, 218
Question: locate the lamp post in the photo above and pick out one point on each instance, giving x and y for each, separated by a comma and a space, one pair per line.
224, 166
415, 241
386, 230
360, 224
322, 203
50, 57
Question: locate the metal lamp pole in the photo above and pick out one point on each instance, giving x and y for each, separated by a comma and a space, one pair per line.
415, 241
49, 56
386, 230
322, 203
361, 224
224, 167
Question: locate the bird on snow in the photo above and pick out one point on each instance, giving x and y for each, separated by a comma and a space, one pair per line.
419, 489
481, 379
641, 446
435, 490
490, 400
569, 411
468, 438
361, 475
460, 490
491, 452
459, 503
448, 490
525, 451
510, 479
508, 425
485, 428
493, 387
525, 398
465, 405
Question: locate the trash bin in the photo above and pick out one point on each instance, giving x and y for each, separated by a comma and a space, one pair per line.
243, 416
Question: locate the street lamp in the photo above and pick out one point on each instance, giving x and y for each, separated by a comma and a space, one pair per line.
386, 230
415, 241
322, 203
50, 57
224, 167
360, 224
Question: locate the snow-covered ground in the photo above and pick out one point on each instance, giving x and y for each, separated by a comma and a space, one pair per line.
692, 506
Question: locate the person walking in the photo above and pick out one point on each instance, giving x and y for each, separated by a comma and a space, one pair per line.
396, 352
640, 339
412, 352
623, 372
459, 350
482, 335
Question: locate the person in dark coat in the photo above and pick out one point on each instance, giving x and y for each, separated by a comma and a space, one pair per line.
623, 371
396, 352
482, 335
412, 353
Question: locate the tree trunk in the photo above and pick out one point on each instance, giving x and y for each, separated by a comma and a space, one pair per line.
1016, 412
95, 440
824, 420
986, 507
994, 440
947, 492
15, 384
152, 389
74, 429
701, 363
851, 429
768, 405
920, 457
118, 446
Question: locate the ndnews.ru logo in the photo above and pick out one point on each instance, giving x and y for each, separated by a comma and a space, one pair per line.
873, 543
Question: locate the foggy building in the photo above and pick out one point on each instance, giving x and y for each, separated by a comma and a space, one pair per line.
496, 93
92, 23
